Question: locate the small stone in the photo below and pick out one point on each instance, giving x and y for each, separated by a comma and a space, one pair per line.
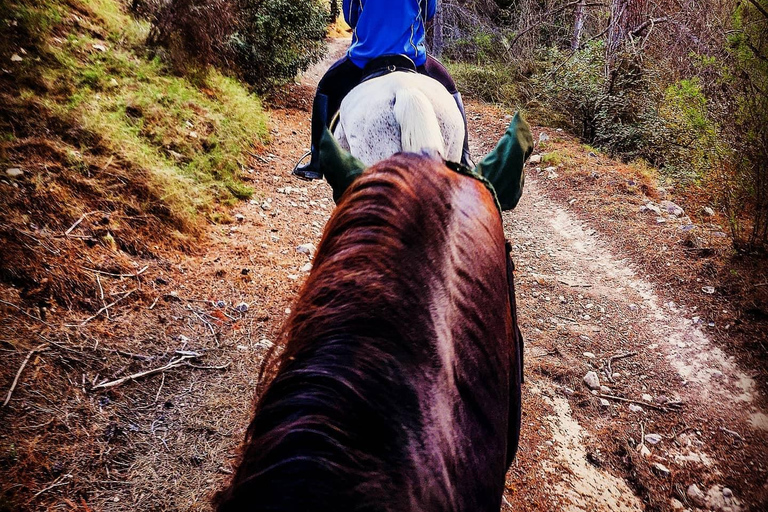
266, 206
16, 58
591, 380
239, 217
672, 209
568, 391
605, 390
616, 376
535, 159
727, 492
644, 451
635, 408
307, 267
661, 469
604, 404
676, 504
113, 83
14, 172
708, 289
708, 211
696, 495
543, 137
589, 355
100, 47
652, 207
193, 134
242, 307
647, 398
652, 439
307, 249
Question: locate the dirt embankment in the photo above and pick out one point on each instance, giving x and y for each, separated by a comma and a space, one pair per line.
87, 429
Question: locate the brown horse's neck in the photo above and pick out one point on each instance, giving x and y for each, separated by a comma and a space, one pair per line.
341, 422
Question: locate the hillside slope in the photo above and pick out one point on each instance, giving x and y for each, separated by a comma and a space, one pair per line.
103, 153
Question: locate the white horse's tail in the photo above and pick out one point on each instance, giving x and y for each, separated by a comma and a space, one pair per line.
419, 128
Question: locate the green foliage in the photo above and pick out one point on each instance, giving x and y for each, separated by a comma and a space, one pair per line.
188, 139
480, 47
493, 83
276, 39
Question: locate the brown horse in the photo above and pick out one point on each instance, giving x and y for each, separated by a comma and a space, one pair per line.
399, 386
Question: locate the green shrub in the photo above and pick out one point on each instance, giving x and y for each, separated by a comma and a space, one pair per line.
494, 83
276, 39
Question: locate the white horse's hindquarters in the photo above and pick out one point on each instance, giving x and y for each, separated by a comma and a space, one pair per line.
368, 125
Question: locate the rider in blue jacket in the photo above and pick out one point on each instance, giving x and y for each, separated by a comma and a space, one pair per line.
380, 27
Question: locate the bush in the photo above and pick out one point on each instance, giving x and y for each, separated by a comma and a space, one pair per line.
276, 39
493, 83
195, 32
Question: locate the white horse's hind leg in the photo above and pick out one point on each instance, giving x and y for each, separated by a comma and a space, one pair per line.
419, 129
340, 135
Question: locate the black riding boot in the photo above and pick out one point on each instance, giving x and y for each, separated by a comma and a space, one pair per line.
320, 120
466, 159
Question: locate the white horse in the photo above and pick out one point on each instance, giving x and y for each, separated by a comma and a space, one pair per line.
400, 111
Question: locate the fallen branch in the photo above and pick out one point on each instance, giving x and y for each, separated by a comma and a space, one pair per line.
173, 364
639, 402
39, 348
105, 308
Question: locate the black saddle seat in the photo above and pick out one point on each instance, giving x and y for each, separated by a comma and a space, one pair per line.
388, 64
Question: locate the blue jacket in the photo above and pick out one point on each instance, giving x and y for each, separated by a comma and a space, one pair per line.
388, 26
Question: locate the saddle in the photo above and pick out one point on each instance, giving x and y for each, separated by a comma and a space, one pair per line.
386, 64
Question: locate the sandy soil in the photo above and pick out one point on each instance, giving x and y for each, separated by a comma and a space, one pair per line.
166, 441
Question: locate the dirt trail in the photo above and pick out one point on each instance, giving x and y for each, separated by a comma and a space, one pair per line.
581, 303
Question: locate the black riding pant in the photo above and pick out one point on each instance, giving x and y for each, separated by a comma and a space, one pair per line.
344, 76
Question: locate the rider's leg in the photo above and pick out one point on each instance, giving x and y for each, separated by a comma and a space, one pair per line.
436, 70
340, 78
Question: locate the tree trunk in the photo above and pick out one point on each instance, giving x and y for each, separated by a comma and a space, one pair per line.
578, 25
334, 10
437, 30
625, 16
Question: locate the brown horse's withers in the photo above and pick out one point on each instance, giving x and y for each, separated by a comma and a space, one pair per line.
398, 389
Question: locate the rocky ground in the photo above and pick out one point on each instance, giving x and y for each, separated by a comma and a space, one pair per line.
631, 402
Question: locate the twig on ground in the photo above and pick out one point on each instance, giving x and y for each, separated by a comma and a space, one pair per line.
81, 219
39, 348
101, 292
105, 308
574, 285
154, 303
56, 483
732, 433
110, 274
206, 322
616, 358
157, 395
639, 402
27, 314
222, 367
175, 363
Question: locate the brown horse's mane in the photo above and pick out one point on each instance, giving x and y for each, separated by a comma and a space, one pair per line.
327, 430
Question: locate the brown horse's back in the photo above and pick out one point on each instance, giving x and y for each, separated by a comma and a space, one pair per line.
394, 388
